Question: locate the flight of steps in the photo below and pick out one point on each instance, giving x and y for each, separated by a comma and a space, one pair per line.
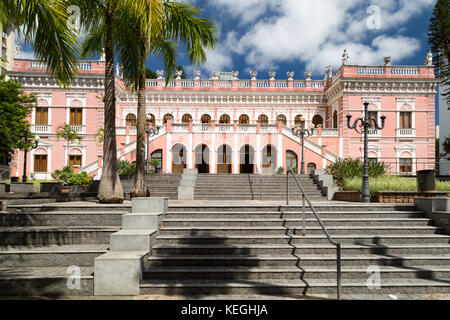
253, 187
160, 185
256, 249
39, 242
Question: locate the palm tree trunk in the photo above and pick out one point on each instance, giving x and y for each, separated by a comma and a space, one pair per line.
110, 189
140, 188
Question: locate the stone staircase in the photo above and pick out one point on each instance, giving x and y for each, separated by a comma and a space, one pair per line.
255, 249
160, 185
38, 243
253, 187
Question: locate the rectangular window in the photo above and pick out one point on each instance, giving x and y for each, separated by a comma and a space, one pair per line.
405, 120
405, 165
74, 161
76, 116
40, 163
41, 116
373, 115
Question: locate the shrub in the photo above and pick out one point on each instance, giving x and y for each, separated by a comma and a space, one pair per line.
349, 168
67, 176
124, 167
280, 170
295, 170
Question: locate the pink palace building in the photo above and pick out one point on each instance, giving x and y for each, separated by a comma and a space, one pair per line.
228, 125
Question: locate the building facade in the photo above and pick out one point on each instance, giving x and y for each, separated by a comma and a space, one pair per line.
227, 125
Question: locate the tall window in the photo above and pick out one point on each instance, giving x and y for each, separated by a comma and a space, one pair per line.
151, 121
335, 119
263, 119
41, 115
372, 115
299, 121
40, 163
317, 120
206, 118
244, 119
405, 120
282, 117
405, 165
225, 119
75, 160
130, 120
166, 117
76, 116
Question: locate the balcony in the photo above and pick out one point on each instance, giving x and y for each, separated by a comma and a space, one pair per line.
79, 129
408, 133
41, 128
374, 133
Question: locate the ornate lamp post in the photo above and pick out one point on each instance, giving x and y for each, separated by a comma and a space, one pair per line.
29, 148
302, 132
365, 124
150, 133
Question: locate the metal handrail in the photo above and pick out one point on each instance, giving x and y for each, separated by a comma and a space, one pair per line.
330, 239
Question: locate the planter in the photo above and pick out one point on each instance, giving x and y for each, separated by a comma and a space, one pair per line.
4, 187
389, 196
93, 186
51, 187
158, 170
78, 189
126, 176
21, 187
14, 179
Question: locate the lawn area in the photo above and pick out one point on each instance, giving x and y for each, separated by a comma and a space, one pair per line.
36, 183
390, 183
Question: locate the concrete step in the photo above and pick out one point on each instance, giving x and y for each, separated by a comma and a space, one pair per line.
51, 256
333, 230
52, 235
61, 218
196, 287
69, 207
441, 273
230, 206
44, 281
293, 222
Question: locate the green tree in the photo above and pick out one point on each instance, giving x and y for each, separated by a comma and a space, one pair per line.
15, 105
446, 147
157, 32
44, 25
150, 74
69, 134
439, 41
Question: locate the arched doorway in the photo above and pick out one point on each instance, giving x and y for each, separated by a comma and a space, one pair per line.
291, 160
311, 167
157, 155
178, 158
269, 159
202, 158
224, 159
247, 159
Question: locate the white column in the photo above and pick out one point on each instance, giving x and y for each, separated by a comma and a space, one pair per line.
212, 155
280, 151
169, 153
235, 152
189, 162
258, 153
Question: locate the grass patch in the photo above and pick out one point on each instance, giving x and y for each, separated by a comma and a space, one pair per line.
36, 183
390, 183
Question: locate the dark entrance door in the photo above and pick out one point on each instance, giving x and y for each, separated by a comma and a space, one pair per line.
224, 159
247, 159
202, 159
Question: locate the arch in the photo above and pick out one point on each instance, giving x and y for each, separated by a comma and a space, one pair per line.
76, 103
299, 121
186, 118
75, 152
42, 103
130, 120
310, 167
206, 118
166, 117
247, 159
263, 119
317, 120
224, 156
178, 158
283, 119
291, 160
269, 159
202, 158
244, 119
157, 155
225, 119
151, 121
335, 119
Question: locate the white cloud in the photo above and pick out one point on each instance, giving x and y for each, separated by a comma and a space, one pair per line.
316, 32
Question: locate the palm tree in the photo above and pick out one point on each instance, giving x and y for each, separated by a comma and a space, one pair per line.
68, 133
110, 27
44, 25
160, 26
